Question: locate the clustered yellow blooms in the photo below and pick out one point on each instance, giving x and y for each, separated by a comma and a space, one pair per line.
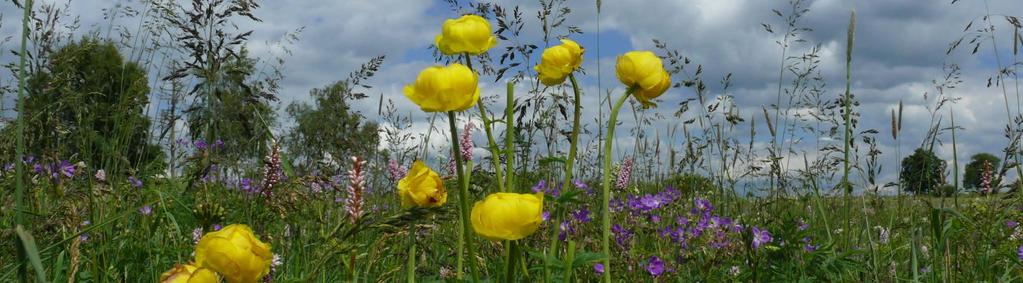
187, 273
644, 72
507, 216
234, 252
422, 187
443, 89
468, 34
558, 61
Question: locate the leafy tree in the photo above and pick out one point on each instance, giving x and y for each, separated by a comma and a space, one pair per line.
88, 102
330, 128
922, 172
239, 118
975, 170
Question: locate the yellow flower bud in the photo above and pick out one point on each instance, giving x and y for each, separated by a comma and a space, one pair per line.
643, 71
442, 89
422, 187
234, 252
558, 61
507, 216
468, 34
187, 273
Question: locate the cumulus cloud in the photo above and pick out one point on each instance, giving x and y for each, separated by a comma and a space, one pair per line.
899, 52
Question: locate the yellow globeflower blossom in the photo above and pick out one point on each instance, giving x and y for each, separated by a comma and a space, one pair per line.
442, 89
645, 72
235, 253
187, 273
558, 61
507, 216
468, 34
422, 187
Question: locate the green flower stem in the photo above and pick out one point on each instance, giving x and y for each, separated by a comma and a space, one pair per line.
569, 165
509, 265
465, 239
606, 196
569, 259
411, 264
491, 145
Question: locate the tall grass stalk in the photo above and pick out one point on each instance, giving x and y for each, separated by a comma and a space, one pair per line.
509, 136
19, 190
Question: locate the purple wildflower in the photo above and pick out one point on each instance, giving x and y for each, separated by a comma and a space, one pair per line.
807, 247
66, 168
655, 266
540, 187
135, 182
245, 185
1020, 253
622, 235
565, 229
1011, 224
599, 267
702, 205
146, 210
761, 237
218, 144
579, 184
546, 215
582, 215
9, 167
201, 144
802, 225
217, 227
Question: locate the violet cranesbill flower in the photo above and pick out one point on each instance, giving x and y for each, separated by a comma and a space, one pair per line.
582, 215
66, 168
579, 184
761, 237
201, 144
1020, 253
702, 205
622, 235
807, 247
546, 215
655, 267
598, 268
146, 210
135, 182
1011, 224
245, 185
540, 187
802, 225
566, 228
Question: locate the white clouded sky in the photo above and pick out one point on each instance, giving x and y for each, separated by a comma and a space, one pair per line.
900, 50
